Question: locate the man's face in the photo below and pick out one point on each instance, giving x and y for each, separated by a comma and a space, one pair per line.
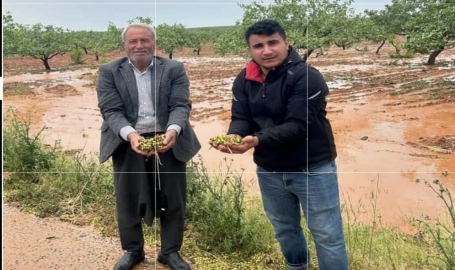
139, 44
268, 51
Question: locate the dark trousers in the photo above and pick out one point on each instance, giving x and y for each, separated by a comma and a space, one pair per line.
134, 181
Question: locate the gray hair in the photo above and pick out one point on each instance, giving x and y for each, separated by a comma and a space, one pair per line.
144, 25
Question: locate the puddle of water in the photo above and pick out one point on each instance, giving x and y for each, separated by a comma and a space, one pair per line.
432, 122
386, 155
335, 68
417, 61
359, 58
396, 197
73, 120
76, 126
68, 75
339, 84
450, 66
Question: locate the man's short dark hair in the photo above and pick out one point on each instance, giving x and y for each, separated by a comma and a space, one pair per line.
265, 27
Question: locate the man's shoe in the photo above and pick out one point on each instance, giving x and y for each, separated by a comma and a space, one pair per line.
174, 261
130, 259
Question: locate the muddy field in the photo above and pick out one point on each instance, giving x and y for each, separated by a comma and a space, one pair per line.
393, 120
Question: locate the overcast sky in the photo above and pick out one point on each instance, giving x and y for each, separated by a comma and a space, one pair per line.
96, 14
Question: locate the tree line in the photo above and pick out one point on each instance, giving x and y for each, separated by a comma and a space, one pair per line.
428, 26
47, 41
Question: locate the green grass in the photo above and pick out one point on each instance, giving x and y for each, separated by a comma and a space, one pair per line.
329, 77
410, 87
90, 79
417, 85
438, 90
17, 89
226, 228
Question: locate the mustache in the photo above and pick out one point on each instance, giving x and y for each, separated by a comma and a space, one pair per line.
140, 51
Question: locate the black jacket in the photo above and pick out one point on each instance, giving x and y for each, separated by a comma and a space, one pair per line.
286, 112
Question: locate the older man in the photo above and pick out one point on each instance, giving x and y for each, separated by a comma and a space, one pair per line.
140, 96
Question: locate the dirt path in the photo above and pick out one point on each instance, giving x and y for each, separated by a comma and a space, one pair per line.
32, 243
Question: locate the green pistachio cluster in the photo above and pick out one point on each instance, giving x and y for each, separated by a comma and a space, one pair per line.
225, 139
147, 145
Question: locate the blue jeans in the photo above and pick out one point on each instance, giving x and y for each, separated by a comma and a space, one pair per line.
317, 192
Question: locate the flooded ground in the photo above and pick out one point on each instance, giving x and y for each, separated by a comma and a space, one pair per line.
393, 122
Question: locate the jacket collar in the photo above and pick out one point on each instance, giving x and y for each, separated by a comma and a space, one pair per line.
254, 72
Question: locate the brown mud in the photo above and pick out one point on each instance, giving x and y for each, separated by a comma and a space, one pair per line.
393, 122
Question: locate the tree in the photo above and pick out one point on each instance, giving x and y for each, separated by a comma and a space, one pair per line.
171, 37
40, 42
347, 30
432, 27
375, 28
309, 24
230, 41
106, 42
81, 39
10, 31
387, 23
197, 38
291, 14
139, 19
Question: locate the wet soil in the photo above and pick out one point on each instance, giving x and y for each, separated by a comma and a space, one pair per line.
442, 144
392, 120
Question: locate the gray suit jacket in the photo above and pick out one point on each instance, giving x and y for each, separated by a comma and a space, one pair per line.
118, 102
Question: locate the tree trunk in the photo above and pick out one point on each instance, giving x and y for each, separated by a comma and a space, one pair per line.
396, 47
170, 55
433, 55
307, 54
46, 63
85, 49
344, 47
380, 46
198, 51
97, 57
